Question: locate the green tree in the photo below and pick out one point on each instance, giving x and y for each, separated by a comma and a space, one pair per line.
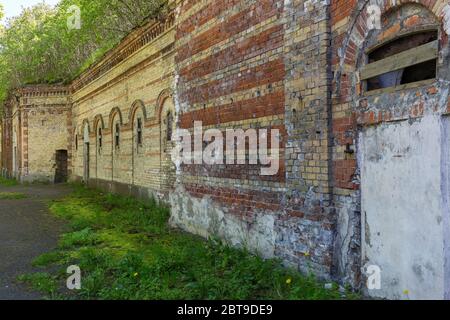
38, 47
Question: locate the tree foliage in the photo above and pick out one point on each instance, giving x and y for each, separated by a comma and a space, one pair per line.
38, 47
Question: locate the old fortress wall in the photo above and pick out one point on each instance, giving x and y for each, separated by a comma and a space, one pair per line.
363, 166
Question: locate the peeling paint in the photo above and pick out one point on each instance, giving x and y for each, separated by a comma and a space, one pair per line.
401, 172
207, 219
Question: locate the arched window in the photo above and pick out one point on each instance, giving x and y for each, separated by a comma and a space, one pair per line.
169, 126
408, 59
117, 136
100, 140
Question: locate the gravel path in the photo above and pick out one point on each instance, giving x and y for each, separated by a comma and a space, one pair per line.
26, 231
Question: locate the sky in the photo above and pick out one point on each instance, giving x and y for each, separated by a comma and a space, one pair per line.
14, 7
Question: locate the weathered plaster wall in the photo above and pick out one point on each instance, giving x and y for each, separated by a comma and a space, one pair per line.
402, 221
445, 189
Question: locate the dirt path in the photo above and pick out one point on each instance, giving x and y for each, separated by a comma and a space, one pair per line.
26, 231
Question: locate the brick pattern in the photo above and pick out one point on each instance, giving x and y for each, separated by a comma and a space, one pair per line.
33, 114
127, 92
236, 64
258, 76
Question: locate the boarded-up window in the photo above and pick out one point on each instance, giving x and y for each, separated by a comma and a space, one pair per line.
408, 59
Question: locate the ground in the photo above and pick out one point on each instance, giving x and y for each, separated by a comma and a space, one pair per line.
126, 250
26, 231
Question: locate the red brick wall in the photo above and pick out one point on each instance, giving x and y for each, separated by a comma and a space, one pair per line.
214, 90
236, 69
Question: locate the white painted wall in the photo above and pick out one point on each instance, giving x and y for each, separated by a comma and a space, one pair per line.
445, 159
403, 208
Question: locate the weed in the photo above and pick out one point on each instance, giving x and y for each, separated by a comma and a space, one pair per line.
126, 250
42, 282
48, 259
8, 182
12, 196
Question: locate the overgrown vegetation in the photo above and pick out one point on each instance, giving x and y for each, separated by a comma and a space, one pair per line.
38, 47
8, 182
126, 250
42, 282
12, 196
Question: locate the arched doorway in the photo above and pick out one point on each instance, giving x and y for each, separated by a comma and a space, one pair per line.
139, 143
168, 127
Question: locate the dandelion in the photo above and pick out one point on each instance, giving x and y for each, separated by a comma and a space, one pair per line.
406, 292
307, 254
288, 281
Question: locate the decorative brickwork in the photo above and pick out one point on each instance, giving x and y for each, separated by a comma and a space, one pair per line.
294, 66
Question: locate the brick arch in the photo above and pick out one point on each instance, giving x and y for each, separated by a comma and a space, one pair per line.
355, 42
138, 104
163, 96
164, 110
98, 120
115, 112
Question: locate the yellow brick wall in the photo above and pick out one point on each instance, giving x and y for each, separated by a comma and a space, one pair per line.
47, 133
130, 90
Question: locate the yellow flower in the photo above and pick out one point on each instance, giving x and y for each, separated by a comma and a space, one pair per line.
288, 281
135, 274
406, 292
307, 254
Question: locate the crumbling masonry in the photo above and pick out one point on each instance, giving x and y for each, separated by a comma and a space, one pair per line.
362, 105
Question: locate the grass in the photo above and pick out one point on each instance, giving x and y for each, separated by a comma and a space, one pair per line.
8, 182
12, 196
42, 282
126, 250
